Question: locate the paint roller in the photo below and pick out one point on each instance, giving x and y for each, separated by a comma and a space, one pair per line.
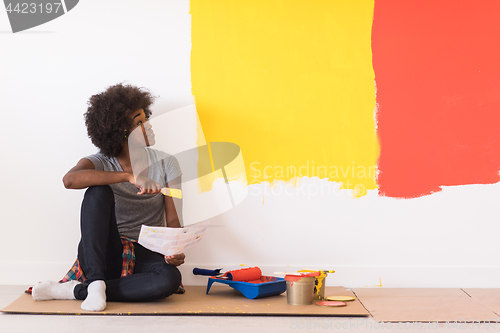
244, 274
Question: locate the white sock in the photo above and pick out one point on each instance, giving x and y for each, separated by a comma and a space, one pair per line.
96, 296
47, 290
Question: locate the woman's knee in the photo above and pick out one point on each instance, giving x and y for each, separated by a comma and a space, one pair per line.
98, 196
100, 192
168, 279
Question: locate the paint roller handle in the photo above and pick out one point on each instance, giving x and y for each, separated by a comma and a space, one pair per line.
206, 272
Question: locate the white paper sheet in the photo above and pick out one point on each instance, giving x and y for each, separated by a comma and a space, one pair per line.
170, 241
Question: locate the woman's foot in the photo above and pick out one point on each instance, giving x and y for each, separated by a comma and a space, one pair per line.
96, 296
48, 290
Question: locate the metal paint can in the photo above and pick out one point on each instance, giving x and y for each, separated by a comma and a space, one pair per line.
299, 290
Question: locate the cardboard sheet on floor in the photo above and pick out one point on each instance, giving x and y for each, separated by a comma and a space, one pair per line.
488, 297
423, 305
222, 300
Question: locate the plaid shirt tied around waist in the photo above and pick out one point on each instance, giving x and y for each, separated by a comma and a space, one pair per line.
128, 263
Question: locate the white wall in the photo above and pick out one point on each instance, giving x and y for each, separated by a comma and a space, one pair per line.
448, 239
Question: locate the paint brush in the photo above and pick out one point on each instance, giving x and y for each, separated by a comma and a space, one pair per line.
313, 273
317, 270
172, 192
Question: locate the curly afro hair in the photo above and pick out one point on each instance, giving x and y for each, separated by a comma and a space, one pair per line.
107, 116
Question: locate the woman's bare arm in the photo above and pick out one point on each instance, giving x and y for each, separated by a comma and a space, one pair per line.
84, 175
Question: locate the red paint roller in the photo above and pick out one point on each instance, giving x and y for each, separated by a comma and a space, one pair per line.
244, 274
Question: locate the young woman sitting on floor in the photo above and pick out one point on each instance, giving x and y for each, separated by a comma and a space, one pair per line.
110, 262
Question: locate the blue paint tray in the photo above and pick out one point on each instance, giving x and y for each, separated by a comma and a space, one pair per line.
269, 286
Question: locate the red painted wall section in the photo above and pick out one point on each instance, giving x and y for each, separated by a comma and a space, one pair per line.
437, 72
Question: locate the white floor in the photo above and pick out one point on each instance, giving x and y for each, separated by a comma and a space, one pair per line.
12, 323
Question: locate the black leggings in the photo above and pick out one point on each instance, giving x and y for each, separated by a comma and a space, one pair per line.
100, 256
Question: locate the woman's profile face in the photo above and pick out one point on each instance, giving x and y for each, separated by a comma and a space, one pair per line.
141, 132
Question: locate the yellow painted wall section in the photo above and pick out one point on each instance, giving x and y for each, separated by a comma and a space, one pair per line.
290, 82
